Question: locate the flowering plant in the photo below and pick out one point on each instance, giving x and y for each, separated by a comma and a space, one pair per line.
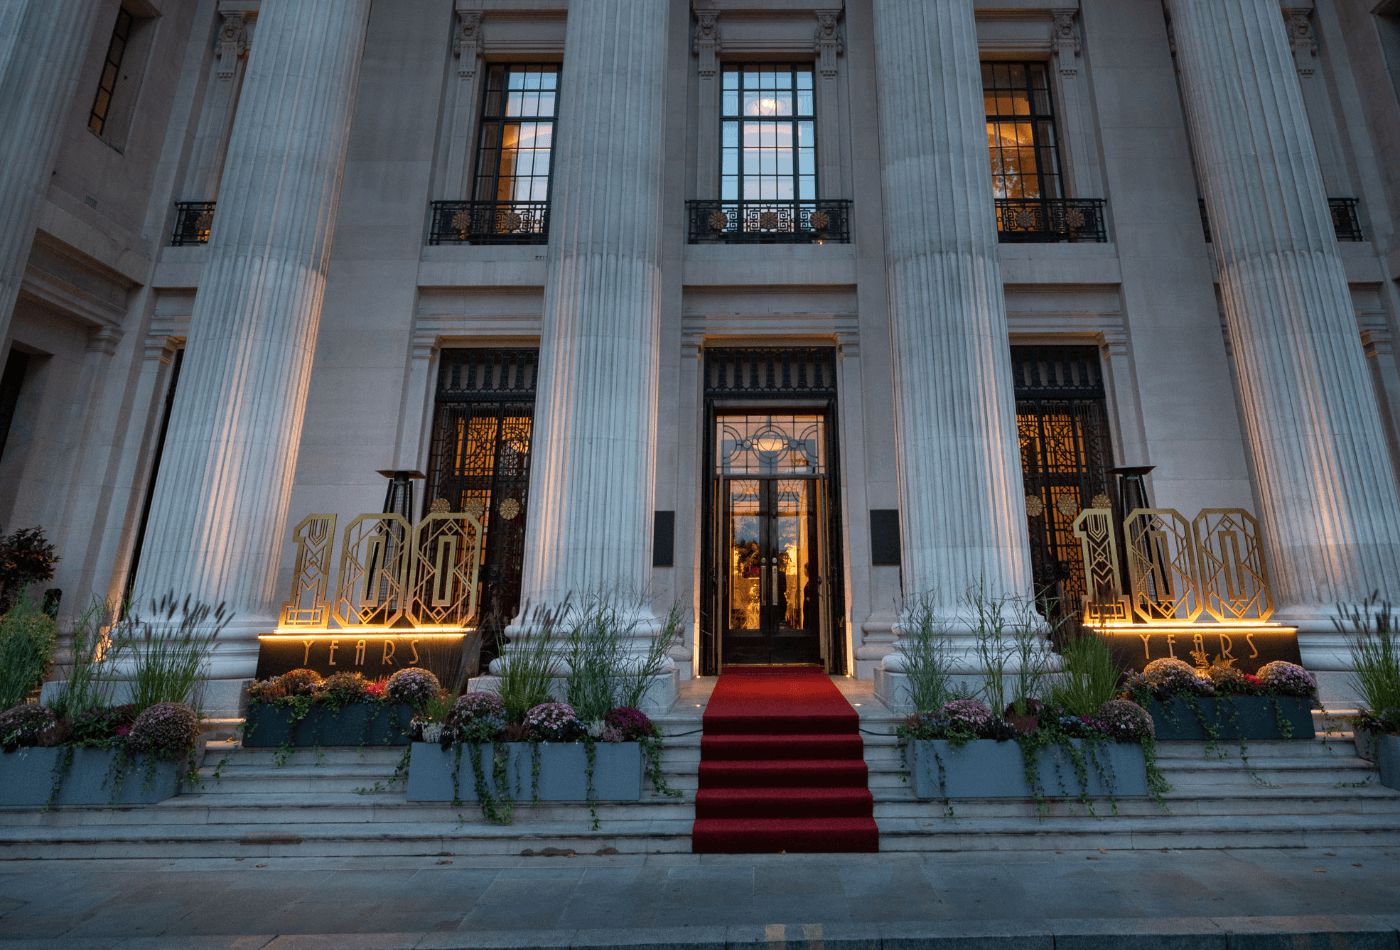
1168, 676
1287, 679
627, 724
968, 714
1229, 681
300, 682
475, 717
25, 725
375, 690
1125, 721
413, 687
553, 722
101, 725
341, 689
165, 730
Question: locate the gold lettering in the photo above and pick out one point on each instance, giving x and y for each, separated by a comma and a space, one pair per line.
413, 645
306, 654
359, 653
1146, 639
335, 645
388, 658
1171, 645
1199, 642
1253, 648
1227, 645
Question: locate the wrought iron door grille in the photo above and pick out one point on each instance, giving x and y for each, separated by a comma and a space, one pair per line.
768, 372
769, 222
193, 219
1062, 422
479, 462
1050, 220
489, 222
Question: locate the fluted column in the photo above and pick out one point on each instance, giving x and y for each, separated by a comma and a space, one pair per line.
1327, 492
220, 505
42, 44
593, 462
962, 505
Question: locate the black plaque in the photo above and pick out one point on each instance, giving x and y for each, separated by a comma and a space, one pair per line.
1250, 648
375, 656
884, 537
663, 540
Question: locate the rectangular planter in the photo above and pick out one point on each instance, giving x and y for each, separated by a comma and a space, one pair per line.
1254, 718
985, 768
1384, 750
27, 778
617, 773
358, 724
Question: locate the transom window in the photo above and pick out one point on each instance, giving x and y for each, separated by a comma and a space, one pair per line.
111, 71
1021, 130
517, 132
768, 134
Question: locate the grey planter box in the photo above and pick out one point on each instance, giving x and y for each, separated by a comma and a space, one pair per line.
1384, 750
1254, 718
617, 774
985, 768
27, 778
270, 726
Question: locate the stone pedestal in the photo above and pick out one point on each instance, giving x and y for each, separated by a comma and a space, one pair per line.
962, 514
220, 505
1326, 488
592, 471
42, 45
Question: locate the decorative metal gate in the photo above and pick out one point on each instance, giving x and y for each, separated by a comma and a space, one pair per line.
1062, 418
745, 385
479, 461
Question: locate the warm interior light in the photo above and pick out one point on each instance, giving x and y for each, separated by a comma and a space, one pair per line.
770, 443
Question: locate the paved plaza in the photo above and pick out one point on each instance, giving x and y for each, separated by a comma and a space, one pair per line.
1172, 899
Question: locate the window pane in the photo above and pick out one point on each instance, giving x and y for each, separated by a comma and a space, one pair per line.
517, 132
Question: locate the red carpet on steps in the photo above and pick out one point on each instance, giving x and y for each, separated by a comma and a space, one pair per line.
782, 767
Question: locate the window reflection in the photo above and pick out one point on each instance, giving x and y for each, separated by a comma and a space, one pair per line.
768, 134
517, 132
1021, 130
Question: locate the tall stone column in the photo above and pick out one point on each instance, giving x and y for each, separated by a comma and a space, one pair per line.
220, 505
962, 504
42, 45
593, 461
1327, 492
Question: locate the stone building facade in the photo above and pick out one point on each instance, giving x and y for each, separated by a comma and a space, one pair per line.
783, 310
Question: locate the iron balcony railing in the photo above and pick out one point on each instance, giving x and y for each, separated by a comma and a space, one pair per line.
769, 222
192, 222
1345, 223
1051, 220
489, 222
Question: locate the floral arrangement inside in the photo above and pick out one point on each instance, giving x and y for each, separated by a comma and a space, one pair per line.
302, 688
1168, 678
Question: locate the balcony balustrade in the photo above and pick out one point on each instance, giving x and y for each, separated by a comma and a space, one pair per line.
193, 220
489, 222
1050, 220
1345, 222
769, 222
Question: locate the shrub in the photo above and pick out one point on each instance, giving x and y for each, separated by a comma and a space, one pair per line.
1229, 681
25, 725
553, 722
169, 648
1125, 721
1168, 676
165, 730
475, 717
628, 724
967, 714
300, 682
1287, 679
1089, 677
101, 725
26, 649
413, 687
26, 557
1375, 657
267, 691
341, 689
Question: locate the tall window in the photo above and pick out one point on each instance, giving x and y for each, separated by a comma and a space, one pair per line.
111, 72
517, 132
769, 134
1021, 130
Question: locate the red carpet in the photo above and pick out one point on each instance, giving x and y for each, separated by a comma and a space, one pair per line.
782, 767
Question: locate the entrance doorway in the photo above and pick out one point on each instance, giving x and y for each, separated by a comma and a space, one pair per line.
773, 584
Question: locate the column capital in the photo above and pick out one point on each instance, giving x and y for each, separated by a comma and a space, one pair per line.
466, 42
1065, 39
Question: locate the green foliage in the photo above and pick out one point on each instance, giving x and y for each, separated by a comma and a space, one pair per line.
26, 557
168, 653
604, 672
1011, 649
924, 648
1375, 653
26, 650
1089, 675
84, 685
528, 664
